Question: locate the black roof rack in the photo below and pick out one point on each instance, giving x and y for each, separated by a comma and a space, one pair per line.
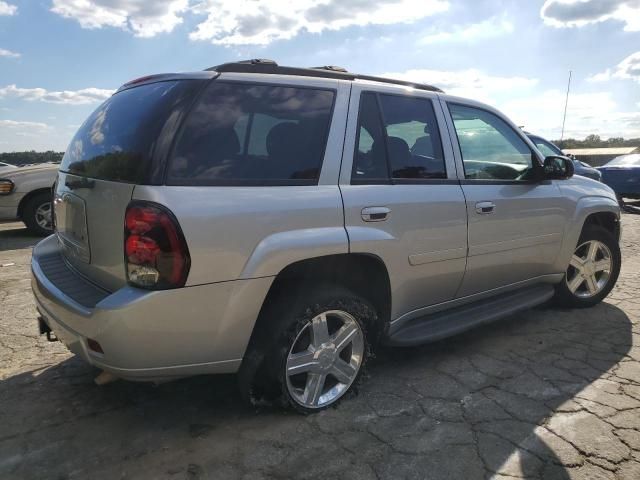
266, 66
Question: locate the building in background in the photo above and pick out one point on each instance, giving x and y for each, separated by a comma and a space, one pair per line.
597, 157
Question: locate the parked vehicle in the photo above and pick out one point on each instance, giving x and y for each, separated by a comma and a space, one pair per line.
580, 168
25, 194
4, 167
622, 174
281, 222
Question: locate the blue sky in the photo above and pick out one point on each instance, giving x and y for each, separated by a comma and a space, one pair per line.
60, 58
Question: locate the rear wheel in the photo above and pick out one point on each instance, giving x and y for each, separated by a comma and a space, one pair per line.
37, 214
321, 340
593, 269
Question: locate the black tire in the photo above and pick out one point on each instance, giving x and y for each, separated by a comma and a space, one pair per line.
565, 297
30, 210
262, 376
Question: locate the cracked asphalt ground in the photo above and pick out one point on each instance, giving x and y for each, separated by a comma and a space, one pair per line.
547, 394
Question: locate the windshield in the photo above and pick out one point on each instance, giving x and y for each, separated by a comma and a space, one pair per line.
116, 142
546, 148
625, 161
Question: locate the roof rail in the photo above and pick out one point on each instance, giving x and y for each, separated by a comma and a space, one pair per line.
266, 66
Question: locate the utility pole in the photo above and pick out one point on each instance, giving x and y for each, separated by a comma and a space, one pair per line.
566, 102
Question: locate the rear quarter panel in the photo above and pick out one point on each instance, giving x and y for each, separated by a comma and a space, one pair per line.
242, 232
251, 232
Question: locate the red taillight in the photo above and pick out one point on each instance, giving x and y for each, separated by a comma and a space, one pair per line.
156, 253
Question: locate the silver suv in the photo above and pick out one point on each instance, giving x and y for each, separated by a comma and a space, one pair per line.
282, 222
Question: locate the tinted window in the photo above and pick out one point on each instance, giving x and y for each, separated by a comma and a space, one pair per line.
253, 134
397, 135
370, 160
491, 149
116, 142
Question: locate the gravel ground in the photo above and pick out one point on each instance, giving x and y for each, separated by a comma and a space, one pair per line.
549, 393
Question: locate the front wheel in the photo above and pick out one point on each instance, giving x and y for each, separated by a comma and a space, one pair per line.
593, 269
37, 214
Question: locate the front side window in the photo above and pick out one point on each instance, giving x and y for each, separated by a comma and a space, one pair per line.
491, 149
398, 139
253, 134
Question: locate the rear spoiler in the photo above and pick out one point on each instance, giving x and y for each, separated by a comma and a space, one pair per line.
166, 77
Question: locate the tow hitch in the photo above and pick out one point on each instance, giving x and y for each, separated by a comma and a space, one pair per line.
45, 329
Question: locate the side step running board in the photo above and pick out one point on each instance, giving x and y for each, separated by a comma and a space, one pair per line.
444, 324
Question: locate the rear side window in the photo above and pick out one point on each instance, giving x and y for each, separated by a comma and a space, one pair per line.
116, 142
398, 138
251, 134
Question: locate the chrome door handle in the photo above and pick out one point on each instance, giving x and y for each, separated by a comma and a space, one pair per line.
375, 214
484, 208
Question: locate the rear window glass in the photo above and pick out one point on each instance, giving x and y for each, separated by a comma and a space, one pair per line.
116, 142
250, 134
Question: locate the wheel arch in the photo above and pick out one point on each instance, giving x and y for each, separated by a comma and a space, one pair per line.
603, 211
27, 198
363, 274
607, 220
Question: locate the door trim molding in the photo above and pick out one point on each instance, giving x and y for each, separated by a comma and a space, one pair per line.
525, 242
437, 256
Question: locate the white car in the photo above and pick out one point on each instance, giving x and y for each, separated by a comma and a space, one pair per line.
25, 194
4, 167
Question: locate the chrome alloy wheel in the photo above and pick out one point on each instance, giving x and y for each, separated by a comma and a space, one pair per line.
43, 216
589, 269
324, 359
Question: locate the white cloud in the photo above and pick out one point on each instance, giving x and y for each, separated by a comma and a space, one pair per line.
578, 13
68, 97
540, 112
8, 53
143, 18
470, 83
7, 9
490, 28
629, 69
14, 124
587, 113
244, 22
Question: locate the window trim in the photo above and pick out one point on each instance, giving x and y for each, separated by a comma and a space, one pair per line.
390, 180
537, 167
300, 182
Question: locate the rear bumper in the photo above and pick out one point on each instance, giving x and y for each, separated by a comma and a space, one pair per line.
147, 335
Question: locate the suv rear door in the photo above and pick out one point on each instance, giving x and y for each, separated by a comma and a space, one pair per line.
402, 199
516, 220
119, 146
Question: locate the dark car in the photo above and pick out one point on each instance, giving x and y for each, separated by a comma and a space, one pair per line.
623, 175
580, 168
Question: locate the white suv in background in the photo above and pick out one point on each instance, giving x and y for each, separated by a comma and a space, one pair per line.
25, 194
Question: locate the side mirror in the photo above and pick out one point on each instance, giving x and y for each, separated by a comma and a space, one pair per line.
558, 168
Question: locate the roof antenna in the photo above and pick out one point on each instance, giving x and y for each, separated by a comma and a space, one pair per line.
566, 102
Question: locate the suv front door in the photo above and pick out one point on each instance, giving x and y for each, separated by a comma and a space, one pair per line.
516, 220
402, 200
